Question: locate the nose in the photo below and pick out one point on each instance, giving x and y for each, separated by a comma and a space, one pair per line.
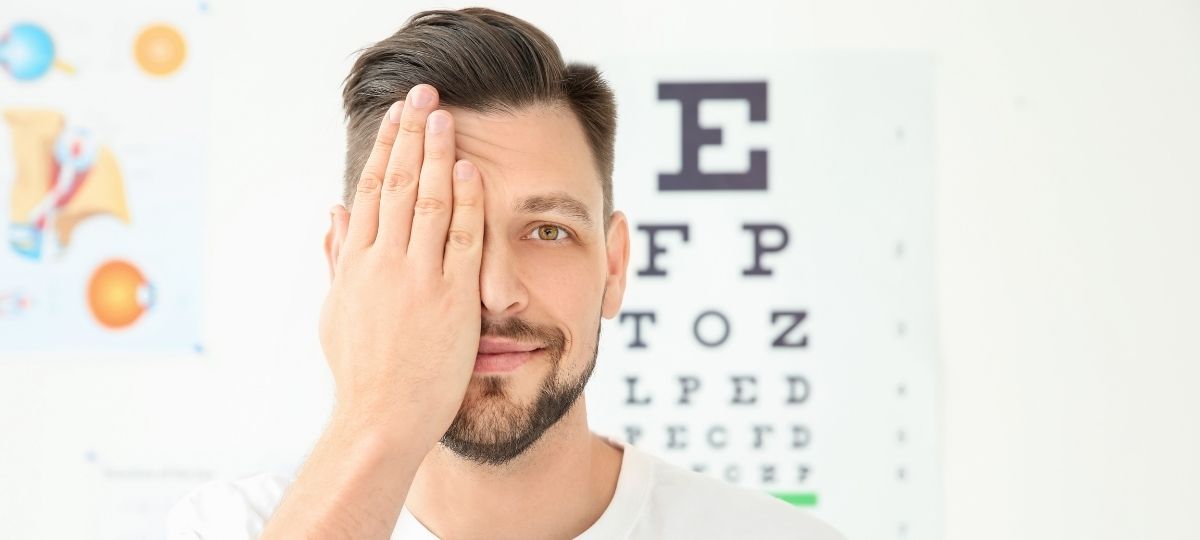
501, 292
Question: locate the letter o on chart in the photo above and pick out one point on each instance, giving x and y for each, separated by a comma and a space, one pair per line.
719, 326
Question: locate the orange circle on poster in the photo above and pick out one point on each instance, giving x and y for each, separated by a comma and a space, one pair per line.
118, 294
159, 49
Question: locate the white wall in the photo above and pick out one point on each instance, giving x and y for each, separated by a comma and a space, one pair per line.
1068, 245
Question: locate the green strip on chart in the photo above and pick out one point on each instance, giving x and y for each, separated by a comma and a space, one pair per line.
797, 498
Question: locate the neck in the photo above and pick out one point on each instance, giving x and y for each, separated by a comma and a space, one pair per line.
558, 488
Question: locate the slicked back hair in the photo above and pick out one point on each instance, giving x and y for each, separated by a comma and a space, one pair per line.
478, 59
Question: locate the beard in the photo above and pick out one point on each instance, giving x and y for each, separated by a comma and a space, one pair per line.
492, 429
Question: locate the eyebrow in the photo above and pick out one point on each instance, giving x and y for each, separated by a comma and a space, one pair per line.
559, 203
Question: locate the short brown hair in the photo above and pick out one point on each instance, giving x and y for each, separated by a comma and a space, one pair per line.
478, 59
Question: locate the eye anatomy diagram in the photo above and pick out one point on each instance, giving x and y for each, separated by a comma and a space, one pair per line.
159, 49
27, 52
100, 214
63, 176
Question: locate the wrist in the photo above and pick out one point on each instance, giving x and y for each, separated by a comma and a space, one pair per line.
383, 427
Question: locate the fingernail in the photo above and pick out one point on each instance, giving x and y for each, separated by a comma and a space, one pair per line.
420, 96
394, 112
464, 170
438, 122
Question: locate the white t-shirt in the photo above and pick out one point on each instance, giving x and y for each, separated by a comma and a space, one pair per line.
653, 500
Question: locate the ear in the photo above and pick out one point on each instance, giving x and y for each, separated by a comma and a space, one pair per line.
618, 263
339, 220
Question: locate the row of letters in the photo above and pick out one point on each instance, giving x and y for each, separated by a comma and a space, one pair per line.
743, 390
712, 328
758, 436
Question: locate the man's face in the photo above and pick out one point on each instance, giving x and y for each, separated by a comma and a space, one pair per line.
550, 271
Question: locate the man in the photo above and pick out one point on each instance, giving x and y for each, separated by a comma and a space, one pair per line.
469, 276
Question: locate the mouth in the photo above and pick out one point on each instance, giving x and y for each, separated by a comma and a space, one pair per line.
498, 355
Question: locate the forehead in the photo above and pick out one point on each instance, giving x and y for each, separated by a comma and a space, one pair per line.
534, 150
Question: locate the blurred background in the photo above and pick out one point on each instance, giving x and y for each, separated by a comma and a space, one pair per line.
961, 302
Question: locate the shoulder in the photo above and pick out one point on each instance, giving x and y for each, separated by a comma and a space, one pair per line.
227, 508
695, 503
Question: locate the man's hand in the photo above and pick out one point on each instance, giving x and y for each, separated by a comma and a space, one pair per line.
400, 327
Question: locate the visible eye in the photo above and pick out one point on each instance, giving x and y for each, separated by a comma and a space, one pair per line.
549, 233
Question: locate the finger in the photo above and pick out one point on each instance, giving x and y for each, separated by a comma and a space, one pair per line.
464, 241
431, 213
404, 169
364, 215
341, 221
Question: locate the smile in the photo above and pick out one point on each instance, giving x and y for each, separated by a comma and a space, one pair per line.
502, 362
498, 355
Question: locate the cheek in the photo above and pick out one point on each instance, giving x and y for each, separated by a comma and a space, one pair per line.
565, 286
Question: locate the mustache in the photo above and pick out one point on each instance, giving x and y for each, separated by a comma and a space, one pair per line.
519, 330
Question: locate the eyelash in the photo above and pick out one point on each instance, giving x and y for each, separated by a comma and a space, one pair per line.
563, 233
